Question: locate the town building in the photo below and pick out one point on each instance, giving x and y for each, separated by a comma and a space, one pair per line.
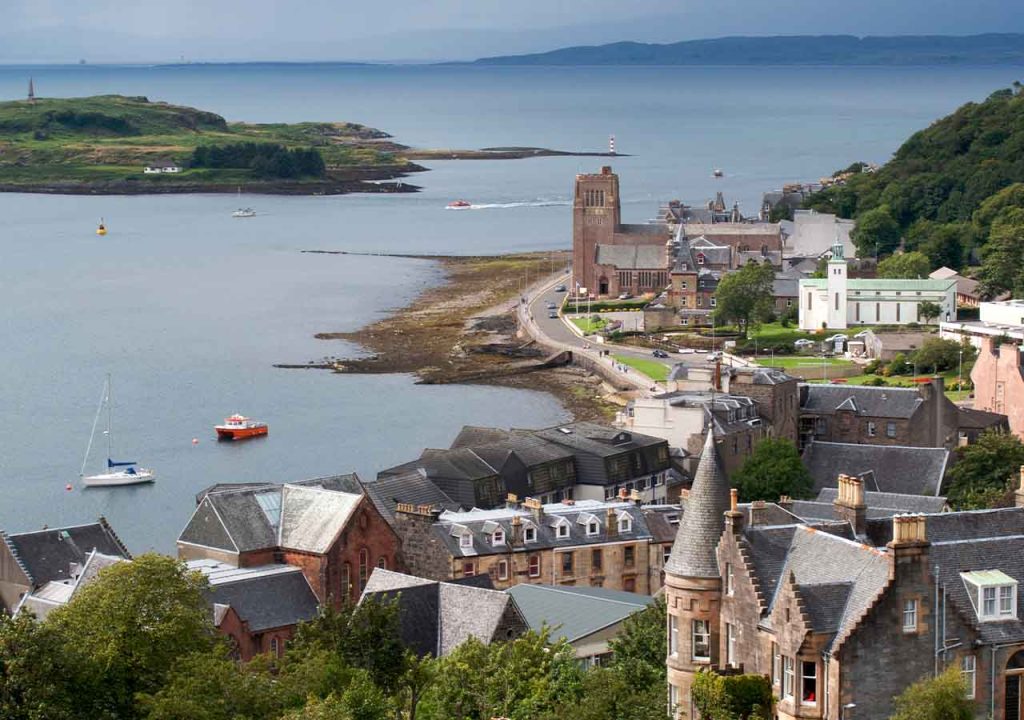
968, 290
327, 527
843, 615
836, 302
895, 469
999, 382
38, 562
676, 212
435, 617
57, 593
812, 234
587, 618
159, 167
257, 609
589, 543
1002, 321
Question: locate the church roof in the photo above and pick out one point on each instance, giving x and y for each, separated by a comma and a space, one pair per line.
693, 552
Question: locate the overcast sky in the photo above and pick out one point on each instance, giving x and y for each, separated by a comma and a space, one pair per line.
213, 30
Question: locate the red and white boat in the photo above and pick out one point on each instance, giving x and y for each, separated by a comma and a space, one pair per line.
239, 427
459, 204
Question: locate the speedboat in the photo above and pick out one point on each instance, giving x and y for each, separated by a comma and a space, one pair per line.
239, 427
459, 204
718, 172
244, 212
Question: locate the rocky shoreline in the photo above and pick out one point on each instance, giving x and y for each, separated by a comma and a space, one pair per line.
464, 330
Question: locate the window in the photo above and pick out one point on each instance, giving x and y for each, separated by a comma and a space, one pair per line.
468, 569
890, 429
673, 699
728, 579
596, 559
567, 563
498, 538
909, 616
563, 530
789, 302
776, 665
701, 636
809, 296
503, 569
609, 493
1005, 600
275, 647
837, 301
968, 671
871, 429
787, 677
530, 534
673, 635
346, 578
809, 684
466, 540
382, 562
730, 644
714, 301
628, 556
364, 567
989, 602
534, 567
592, 527
625, 524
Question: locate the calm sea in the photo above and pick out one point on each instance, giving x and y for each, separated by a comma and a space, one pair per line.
188, 308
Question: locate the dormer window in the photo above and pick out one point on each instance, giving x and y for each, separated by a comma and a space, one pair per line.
993, 594
498, 537
592, 527
562, 531
466, 540
529, 534
625, 523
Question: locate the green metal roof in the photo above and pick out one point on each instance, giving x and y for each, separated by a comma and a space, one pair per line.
988, 577
575, 612
883, 284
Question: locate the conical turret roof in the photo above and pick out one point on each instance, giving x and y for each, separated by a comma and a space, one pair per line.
693, 552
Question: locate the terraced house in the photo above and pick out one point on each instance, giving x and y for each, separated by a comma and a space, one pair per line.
845, 613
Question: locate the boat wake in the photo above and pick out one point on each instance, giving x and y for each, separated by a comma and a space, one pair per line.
508, 206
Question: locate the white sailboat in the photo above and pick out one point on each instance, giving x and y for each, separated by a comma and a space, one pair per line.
129, 474
242, 212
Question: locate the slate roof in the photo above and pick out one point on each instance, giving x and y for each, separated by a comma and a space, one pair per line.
574, 613
633, 257
592, 443
406, 486
974, 419
884, 402
52, 595
813, 511
885, 468
264, 597
531, 449
694, 550
312, 519
663, 521
436, 617
48, 555
892, 501
825, 604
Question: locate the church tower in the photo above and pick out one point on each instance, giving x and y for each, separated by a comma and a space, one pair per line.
693, 583
837, 285
595, 218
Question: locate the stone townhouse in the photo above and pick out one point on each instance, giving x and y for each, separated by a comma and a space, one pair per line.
999, 381
326, 526
587, 543
844, 614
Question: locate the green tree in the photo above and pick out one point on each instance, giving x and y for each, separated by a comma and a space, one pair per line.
134, 624
744, 297
938, 698
944, 244
982, 475
929, 310
610, 695
1002, 259
938, 354
876, 233
37, 675
905, 265
361, 700
774, 469
639, 650
732, 697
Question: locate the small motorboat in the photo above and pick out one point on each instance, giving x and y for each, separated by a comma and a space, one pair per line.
101, 229
718, 172
244, 212
239, 427
459, 204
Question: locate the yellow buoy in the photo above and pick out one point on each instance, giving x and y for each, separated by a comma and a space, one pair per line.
102, 229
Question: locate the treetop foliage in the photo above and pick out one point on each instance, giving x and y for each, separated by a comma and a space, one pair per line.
774, 469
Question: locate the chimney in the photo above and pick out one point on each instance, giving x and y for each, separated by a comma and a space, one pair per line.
758, 513
611, 523
635, 498
1018, 497
623, 495
511, 501
786, 503
733, 516
606, 170
849, 504
535, 507
517, 530
939, 398
909, 539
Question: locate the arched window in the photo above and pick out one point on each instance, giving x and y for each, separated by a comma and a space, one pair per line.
382, 562
346, 579
364, 568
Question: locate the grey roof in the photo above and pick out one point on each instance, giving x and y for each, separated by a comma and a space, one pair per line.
634, 257
825, 604
574, 613
892, 501
312, 518
592, 443
52, 595
406, 486
663, 521
813, 234
694, 550
785, 286
264, 597
891, 469
814, 511
54, 553
454, 471
436, 617
883, 402
533, 450
975, 419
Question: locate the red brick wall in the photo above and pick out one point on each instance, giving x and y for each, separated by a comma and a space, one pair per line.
368, 531
248, 645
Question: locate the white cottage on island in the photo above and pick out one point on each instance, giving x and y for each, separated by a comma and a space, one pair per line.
838, 302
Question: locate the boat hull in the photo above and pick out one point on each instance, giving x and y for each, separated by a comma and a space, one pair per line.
229, 433
115, 479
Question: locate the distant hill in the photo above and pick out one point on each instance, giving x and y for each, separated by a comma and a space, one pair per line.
988, 49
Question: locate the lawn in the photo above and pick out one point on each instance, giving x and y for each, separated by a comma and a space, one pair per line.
588, 326
653, 369
788, 362
908, 381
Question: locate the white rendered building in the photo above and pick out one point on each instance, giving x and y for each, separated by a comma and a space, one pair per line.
836, 302
996, 319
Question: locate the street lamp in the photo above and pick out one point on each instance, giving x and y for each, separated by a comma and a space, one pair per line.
960, 374
844, 708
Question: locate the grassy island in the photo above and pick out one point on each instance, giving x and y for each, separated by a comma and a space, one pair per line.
105, 144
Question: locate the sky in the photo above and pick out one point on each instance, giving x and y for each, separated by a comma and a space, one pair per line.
64, 31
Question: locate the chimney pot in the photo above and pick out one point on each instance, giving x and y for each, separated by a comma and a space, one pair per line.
734, 495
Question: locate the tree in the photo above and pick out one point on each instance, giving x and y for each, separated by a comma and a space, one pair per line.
941, 354
639, 650
938, 698
876, 233
37, 676
929, 310
610, 695
132, 626
732, 697
774, 469
981, 477
744, 297
905, 265
1002, 259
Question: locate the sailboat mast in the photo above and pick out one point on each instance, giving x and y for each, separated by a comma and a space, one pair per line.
110, 402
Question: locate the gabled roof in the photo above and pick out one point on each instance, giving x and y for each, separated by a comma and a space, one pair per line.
55, 553
892, 501
694, 550
264, 597
436, 617
893, 468
575, 612
884, 402
634, 257
405, 486
312, 519
52, 595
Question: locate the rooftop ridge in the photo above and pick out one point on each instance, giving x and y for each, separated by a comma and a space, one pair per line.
564, 591
993, 538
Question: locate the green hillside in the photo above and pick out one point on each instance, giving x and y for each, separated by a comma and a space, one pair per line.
102, 143
954, 191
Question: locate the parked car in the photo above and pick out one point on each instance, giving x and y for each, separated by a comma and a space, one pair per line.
553, 314
625, 296
836, 337
803, 343
686, 351
714, 357
560, 288
660, 354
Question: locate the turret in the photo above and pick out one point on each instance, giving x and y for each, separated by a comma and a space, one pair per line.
693, 583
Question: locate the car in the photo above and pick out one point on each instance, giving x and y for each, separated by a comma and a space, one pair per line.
686, 351
862, 334
553, 314
625, 296
803, 343
552, 306
713, 357
837, 338
660, 354
700, 351
560, 288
